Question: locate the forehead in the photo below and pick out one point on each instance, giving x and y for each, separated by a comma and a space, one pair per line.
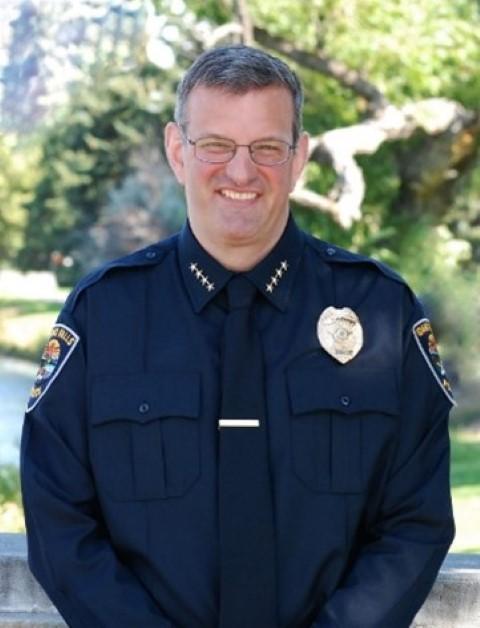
257, 113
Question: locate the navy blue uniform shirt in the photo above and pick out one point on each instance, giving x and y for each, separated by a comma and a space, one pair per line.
119, 448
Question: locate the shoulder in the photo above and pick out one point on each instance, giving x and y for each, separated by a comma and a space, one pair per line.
337, 256
145, 258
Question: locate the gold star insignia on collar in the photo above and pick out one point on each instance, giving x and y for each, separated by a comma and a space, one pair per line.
200, 275
278, 273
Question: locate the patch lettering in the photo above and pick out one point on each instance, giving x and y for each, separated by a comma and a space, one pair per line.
425, 339
56, 352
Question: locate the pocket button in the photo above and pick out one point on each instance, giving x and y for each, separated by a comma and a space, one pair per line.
143, 408
345, 401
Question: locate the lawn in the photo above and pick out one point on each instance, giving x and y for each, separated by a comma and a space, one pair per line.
466, 489
25, 325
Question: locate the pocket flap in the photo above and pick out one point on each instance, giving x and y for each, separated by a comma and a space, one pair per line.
145, 396
345, 389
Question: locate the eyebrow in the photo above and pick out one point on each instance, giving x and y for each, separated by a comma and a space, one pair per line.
260, 139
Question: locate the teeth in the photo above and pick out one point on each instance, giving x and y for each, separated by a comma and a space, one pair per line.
239, 196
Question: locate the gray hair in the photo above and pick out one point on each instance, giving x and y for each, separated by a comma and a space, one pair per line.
237, 70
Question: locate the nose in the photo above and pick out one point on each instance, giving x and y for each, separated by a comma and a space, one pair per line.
241, 169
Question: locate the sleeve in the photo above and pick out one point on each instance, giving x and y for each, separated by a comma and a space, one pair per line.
410, 530
69, 550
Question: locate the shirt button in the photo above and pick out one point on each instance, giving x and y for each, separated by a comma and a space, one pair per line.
331, 251
345, 400
144, 407
150, 254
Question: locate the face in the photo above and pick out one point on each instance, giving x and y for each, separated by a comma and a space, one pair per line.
238, 205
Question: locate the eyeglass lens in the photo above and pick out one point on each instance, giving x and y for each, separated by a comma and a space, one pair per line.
219, 150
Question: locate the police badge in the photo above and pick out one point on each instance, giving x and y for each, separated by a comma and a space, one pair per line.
340, 333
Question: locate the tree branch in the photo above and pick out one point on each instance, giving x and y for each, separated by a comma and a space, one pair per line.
308, 198
223, 32
246, 21
320, 62
339, 147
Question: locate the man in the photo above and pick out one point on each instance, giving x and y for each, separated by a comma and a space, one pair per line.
156, 494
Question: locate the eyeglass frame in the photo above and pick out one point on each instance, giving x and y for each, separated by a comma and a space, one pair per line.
291, 148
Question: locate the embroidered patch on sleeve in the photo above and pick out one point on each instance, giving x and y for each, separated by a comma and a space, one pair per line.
56, 352
423, 334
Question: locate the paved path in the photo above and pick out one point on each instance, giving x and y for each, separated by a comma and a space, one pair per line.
16, 378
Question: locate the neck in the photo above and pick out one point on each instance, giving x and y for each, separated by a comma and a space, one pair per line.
238, 256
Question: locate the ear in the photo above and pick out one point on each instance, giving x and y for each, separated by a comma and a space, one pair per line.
174, 150
300, 158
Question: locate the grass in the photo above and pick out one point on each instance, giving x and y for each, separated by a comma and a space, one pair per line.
466, 490
24, 307
11, 511
25, 325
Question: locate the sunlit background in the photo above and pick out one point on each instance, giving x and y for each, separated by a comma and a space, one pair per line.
86, 87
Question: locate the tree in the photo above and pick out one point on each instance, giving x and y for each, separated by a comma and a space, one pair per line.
395, 66
17, 178
25, 75
85, 155
392, 93
49, 46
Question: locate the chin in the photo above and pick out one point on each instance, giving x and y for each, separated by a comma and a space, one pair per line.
239, 225
236, 238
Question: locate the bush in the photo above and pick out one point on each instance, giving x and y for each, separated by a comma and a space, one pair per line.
10, 485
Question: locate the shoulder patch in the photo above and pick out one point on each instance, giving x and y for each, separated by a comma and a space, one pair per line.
56, 352
423, 334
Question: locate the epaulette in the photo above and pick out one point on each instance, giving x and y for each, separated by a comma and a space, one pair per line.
147, 256
336, 255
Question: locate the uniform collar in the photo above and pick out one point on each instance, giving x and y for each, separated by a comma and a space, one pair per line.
204, 277
275, 274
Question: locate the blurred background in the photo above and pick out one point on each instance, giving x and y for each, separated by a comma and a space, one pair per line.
393, 110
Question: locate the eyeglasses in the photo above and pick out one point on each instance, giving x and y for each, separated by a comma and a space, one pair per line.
220, 150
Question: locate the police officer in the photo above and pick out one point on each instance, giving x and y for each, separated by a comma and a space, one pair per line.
144, 507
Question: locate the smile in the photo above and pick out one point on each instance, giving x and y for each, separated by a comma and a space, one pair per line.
239, 196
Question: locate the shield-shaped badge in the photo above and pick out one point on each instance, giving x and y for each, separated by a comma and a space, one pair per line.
340, 333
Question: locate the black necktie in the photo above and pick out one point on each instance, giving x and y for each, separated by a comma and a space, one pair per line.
247, 543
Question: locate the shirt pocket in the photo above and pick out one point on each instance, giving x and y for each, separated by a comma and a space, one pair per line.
336, 426
144, 436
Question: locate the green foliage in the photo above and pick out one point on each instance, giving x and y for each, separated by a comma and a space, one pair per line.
409, 50
25, 307
464, 214
9, 485
327, 104
466, 467
85, 154
96, 167
17, 177
465, 479
433, 261
373, 235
